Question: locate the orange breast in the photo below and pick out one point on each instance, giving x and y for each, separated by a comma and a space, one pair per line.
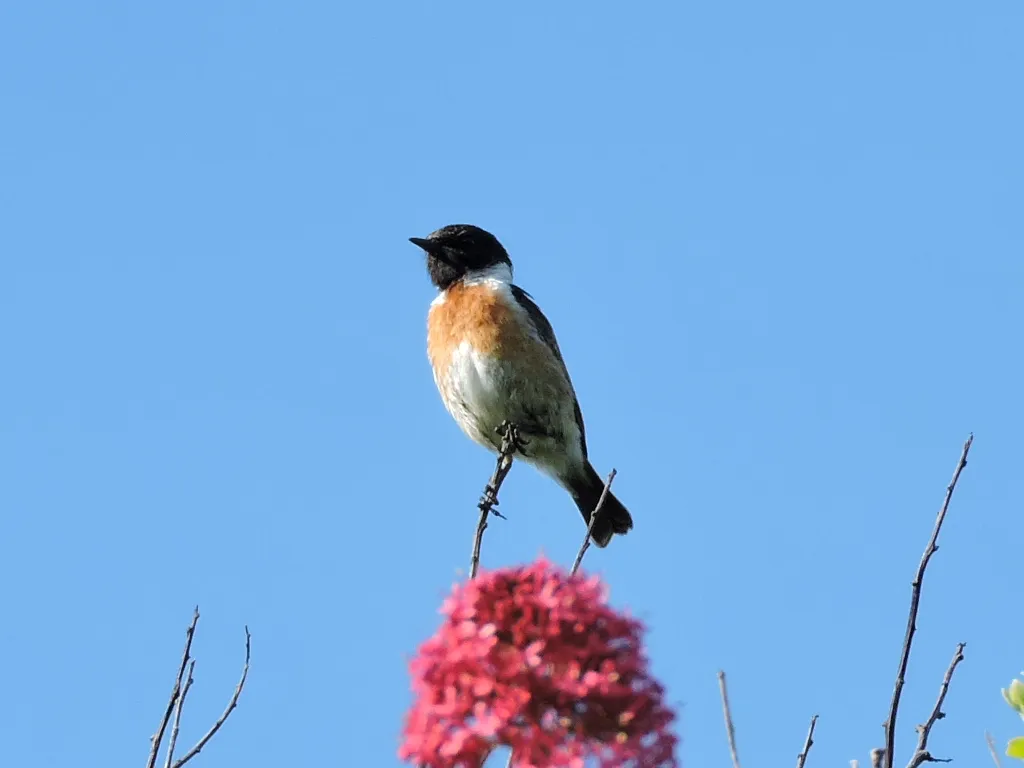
480, 315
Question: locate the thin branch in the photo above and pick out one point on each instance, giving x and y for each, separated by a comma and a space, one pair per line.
593, 521
158, 737
728, 720
920, 758
802, 757
921, 753
177, 716
915, 599
992, 749
510, 443
231, 706
877, 755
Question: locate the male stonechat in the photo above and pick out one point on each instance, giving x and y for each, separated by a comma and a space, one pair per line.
496, 362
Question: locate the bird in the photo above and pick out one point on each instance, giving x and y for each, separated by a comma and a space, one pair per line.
496, 362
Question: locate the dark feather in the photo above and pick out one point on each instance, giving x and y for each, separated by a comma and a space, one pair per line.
547, 335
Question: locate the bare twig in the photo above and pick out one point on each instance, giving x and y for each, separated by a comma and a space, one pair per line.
802, 757
593, 521
509, 445
877, 755
728, 720
915, 599
177, 703
177, 716
921, 753
155, 740
992, 749
227, 711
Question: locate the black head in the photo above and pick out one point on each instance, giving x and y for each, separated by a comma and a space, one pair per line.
454, 250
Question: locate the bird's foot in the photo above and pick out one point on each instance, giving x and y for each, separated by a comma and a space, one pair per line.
511, 436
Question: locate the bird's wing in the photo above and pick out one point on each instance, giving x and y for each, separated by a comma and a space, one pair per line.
547, 334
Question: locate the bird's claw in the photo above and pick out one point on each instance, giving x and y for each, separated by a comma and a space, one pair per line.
510, 432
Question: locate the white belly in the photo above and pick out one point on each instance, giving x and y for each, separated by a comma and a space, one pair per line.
482, 393
475, 392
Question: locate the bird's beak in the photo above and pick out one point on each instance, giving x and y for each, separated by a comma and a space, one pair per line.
432, 247
424, 243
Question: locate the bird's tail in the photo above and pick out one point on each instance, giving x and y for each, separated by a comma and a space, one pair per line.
613, 518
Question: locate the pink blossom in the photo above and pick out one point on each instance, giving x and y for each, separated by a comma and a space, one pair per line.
534, 659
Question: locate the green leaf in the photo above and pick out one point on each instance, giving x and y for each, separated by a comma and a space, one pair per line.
1015, 696
1016, 748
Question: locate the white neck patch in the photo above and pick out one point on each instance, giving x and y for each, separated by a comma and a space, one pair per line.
496, 273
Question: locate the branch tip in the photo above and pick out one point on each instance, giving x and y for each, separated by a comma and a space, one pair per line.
594, 516
885, 760
727, 713
177, 703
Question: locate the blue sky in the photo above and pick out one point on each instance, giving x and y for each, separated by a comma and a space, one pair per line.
782, 248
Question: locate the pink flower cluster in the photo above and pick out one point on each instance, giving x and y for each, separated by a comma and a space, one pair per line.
534, 658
